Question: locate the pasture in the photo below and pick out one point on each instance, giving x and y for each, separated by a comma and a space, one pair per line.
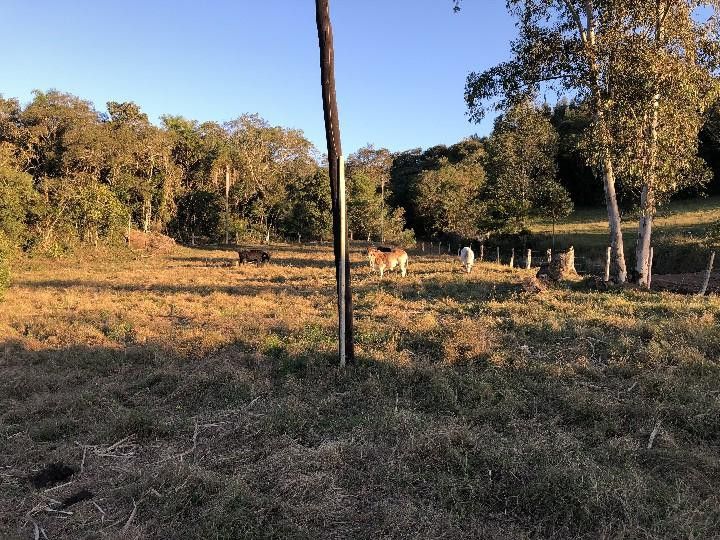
195, 399
678, 237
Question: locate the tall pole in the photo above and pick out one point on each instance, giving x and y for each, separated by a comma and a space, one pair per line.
227, 204
343, 253
382, 209
332, 136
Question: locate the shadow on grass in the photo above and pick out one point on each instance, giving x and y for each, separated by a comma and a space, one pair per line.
434, 289
426, 450
275, 285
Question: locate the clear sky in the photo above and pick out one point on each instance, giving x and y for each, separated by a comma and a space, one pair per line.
400, 64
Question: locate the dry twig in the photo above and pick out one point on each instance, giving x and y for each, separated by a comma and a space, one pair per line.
654, 434
129, 519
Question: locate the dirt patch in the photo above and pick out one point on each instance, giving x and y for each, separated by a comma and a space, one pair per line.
688, 283
151, 241
51, 475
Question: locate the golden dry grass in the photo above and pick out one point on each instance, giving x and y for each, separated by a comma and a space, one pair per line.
679, 236
475, 410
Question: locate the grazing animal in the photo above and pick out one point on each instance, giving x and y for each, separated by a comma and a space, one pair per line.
253, 255
378, 248
385, 260
467, 258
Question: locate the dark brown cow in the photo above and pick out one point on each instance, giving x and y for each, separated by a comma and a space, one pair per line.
253, 255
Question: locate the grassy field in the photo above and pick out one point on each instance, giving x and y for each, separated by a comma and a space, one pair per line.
678, 237
198, 400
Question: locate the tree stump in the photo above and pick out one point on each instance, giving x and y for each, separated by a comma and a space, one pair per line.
561, 267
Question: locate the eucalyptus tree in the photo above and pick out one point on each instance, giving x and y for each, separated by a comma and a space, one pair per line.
616, 56
558, 45
667, 57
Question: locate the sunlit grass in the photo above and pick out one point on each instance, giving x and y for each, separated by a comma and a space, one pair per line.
679, 235
476, 409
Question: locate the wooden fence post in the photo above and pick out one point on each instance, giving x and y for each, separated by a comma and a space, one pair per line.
528, 260
498, 255
607, 264
512, 258
708, 271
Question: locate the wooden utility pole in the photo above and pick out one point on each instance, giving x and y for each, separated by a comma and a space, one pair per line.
382, 209
227, 204
332, 135
343, 253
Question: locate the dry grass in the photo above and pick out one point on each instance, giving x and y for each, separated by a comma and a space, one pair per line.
203, 401
679, 235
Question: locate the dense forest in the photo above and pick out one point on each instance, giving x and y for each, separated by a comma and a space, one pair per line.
72, 175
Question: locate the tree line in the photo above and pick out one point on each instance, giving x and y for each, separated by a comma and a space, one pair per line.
72, 175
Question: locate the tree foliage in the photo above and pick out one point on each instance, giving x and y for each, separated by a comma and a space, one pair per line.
70, 174
449, 198
521, 165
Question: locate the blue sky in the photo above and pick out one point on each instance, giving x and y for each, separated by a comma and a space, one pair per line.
400, 64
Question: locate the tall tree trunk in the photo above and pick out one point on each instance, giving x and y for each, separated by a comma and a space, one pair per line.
642, 249
647, 200
147, 214
618, 269
332, 135
647, 203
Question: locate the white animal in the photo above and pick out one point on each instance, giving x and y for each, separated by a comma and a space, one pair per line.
467, 258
